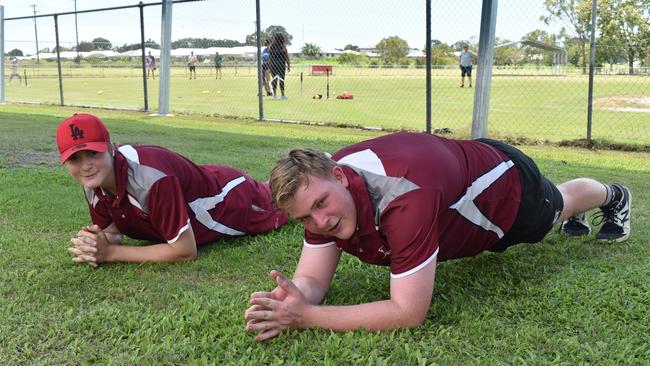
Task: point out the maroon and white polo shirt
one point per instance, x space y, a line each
161 193
420 196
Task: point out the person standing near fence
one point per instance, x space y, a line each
408 201
278 63
14 70
191 64
466 57
218 61
266 72
150 61
151 193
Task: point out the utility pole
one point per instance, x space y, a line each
36 34
76 31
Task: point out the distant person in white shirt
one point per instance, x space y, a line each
191 63
466 65
14 70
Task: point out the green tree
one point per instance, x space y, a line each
352 59
574 52
136 46
311 50
351 47
15 52
62 48
536 54
268 33
100 43
504 56
84 46
441 53
576 15
625 23
392 49
204 43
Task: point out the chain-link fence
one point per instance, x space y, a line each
349 63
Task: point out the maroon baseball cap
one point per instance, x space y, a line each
81 132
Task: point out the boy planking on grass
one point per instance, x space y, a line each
408 201
151 193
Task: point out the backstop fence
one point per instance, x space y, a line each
359 63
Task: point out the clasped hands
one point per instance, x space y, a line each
90 246
273 312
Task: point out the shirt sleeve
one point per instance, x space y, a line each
317 241
411 230
168 209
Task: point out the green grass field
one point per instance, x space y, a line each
535 107
563 301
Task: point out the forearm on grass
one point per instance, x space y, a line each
183 249
378 315
156 253
407 307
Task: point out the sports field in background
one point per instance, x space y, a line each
533 106
562 302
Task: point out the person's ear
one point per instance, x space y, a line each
340 176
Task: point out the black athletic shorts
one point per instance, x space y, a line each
466 70
192 68
541 201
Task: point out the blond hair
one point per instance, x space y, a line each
293 171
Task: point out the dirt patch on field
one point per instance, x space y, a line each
29 158
624 104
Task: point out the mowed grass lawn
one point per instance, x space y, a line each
536 107
563 301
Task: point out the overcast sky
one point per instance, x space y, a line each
329 24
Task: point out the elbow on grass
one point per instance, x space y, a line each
412 319
187 256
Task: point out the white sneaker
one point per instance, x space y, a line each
576 225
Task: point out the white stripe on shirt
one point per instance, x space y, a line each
201 206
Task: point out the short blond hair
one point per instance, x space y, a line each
293 171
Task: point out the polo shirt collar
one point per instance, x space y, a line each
121 171
361 198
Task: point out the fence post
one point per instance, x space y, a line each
2 54
58 56
484 69
165 58
144 67
260 76
428 66
592 60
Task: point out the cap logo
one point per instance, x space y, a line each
76 132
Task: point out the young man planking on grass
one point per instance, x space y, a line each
407 201
151 193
